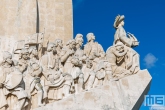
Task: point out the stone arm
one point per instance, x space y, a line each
44 65
76 62
37 72
64 56
123 37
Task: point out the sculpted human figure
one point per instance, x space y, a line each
32 79
79 51
12 83
58 46
52 71
103 71
72 64
130 41
89 74
23 60
116 56
120 34
92 49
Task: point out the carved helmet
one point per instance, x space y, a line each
118 20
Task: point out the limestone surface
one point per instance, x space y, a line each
125 94
21 18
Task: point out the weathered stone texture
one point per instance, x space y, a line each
18 18
124 94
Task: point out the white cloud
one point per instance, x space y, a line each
150 60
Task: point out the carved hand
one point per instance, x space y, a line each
71 52
51 79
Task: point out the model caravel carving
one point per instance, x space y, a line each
26 77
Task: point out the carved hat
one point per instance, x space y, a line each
118 20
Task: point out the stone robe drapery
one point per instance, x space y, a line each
120 35
3 101
48 65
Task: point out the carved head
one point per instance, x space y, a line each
79 39
90 37
33 50
58 42
51 47
71 43
24 54
89 63
119 21
7 58
119 46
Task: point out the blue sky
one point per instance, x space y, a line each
144 18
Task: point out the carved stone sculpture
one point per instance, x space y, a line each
78 49
130 41
92 49
58 45
89 74
31 77
72 64
54 78
116 57
57 71
11 83
120 34
103 71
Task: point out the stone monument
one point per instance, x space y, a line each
20 19
44 68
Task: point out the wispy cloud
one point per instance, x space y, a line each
150 60
77 3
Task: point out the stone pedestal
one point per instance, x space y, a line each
125 94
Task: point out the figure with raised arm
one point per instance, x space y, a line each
130 41
12 82
53 73
72 64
